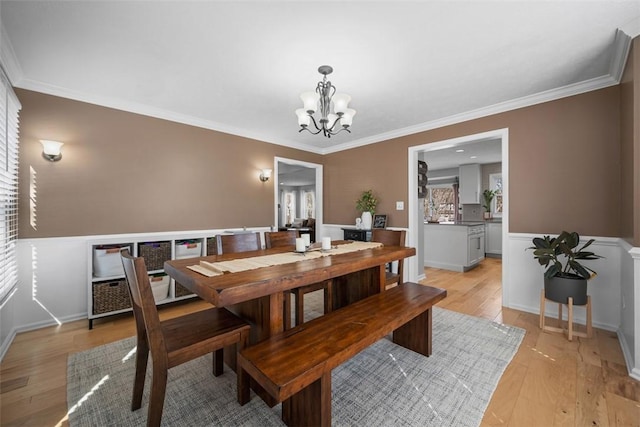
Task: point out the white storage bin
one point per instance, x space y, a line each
107 262
188 249
159 286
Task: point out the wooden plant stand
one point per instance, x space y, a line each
569 330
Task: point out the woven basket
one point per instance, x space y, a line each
110 296
181 291
155 254
211 246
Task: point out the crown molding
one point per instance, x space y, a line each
527 101
546 96
621 48
158 113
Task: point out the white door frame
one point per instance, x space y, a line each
319 192
415 221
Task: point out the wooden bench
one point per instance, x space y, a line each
295 366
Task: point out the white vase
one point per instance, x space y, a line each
366 220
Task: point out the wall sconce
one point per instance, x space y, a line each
265 175
51 150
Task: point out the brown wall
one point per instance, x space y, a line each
124 172
563 167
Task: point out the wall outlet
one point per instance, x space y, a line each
399 206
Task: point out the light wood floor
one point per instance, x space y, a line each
550 382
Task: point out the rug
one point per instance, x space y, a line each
383 385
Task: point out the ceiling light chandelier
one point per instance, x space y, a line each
329 123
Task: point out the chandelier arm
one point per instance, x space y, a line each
309 130
315 124
334 124
341 129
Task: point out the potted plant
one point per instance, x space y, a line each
487 196
562 281
367 205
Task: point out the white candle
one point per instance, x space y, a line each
326 243
307 239
300 245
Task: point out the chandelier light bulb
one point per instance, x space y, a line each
303 117
340 103
347 117
310 100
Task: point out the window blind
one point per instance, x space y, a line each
9 125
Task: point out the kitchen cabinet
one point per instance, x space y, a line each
456 247
493 233
475 247
469 178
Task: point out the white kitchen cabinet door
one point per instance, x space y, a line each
469 184
475 249
494 238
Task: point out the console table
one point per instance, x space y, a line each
357 234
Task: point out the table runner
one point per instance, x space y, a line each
211 269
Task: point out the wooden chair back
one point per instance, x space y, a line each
145 311
391 238
274 239
234 243
388 237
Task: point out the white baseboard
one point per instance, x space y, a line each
4 347
634 371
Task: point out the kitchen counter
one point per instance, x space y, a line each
458 223
454 246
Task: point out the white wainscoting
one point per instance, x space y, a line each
53 274
524 281
629 332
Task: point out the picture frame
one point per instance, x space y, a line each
379 221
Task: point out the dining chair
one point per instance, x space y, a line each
240 242
390 238
288 238
174 341
273 239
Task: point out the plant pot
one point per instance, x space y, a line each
487 215
366 220
560 288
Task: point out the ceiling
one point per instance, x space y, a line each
295 175
239 66
481 152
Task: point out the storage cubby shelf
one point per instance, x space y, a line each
108 293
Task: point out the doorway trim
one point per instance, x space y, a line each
415 221
318 188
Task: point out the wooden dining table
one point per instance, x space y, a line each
257 295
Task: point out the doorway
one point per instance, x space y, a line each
297 192
415 235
